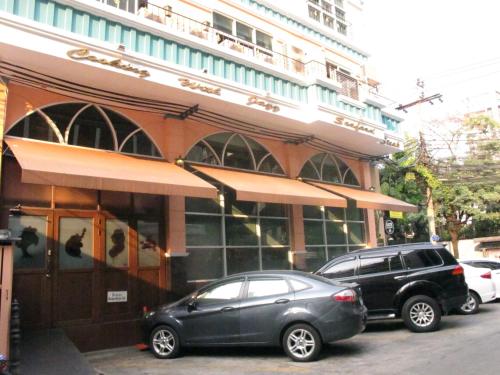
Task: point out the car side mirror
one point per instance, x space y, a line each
192 305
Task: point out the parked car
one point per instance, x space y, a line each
292 309
481 288
492 264
417 282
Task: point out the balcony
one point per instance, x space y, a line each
223 40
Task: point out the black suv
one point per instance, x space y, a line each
417 282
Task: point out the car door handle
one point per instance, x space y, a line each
282 300
227 309
400 277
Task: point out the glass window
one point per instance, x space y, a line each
270 165
263 40
354 213
222 292
274 232
422 258
244 32
258 151
204 205
272 209
116 243
275 258
204 264
342 269
242 260
91 130
61 114
223 23
395 263
356 233
297 285
218 141
148 233
237 154
29 251
335 234
330 171
123 127
350 179
203 230
264 288
312 212
373 265
308 171
201 153
328 21
314 257
140 144
314 13
34 126
334 213
241 231
313 232
234 207
76 243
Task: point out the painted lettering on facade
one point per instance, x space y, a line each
354 125
199 86
84 54
266 105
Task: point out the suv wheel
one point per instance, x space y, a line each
471 306
421 314
301 343
164 342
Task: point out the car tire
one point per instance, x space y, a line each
164 342
421 314
302 343
471 306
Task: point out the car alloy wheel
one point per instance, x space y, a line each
164 342
421 314
301 343
471 305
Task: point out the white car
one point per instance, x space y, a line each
481 288
492 264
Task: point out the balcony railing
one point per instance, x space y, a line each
205 31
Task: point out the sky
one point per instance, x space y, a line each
453 45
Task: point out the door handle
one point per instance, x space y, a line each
400 277
227 308
282 300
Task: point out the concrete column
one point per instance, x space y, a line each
176 226
371 230
297 237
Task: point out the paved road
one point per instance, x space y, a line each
464 345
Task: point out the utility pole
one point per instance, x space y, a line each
423 154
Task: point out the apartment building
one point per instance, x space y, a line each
149 147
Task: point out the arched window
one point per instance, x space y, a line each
235 151
86 125
227 236
331 231
327 167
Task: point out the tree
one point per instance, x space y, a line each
470 177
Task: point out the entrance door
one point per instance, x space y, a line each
74 268
33 256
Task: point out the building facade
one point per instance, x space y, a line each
149 147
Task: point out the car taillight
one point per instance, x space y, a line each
486 275
347 295
458 270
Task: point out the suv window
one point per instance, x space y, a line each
422 259
267 287
342 269
380 264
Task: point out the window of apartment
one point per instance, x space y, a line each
331 16
127 5
242 31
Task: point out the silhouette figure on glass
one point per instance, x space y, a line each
28 237
149 243
74 244
118 238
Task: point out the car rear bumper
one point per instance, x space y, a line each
348 323
453 303
487 297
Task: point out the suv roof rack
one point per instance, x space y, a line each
405 246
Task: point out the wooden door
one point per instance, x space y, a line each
75 266
33 256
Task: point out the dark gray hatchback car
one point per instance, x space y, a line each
292 309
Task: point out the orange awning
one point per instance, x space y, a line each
368 199
272 189
61 165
